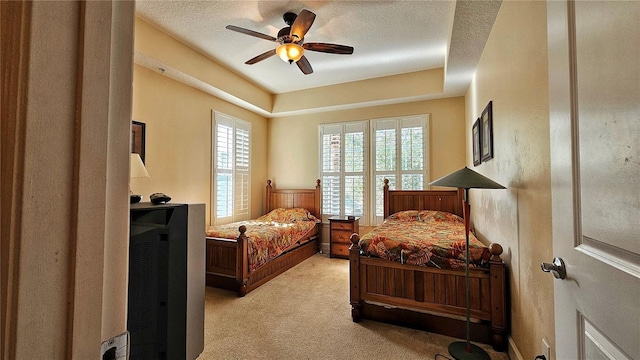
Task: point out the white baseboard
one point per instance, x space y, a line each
512 350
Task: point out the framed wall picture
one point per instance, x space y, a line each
138 138
477 159
486 133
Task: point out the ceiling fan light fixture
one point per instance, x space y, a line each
290 52
290 40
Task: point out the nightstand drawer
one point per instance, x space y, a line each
341 236
339 225
340 250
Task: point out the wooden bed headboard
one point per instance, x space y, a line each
309 199
441 200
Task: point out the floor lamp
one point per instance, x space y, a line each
467 179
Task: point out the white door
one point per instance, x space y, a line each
594 92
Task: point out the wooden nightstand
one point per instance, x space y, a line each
341 229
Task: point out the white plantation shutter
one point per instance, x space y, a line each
384 150
224 170
399 150
412 153
231 178
354 155
241 198
343 154
331 169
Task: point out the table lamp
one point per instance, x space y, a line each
137 171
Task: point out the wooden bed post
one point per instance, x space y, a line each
460 201
354 278
268 196
318 200
242 260
385 196
318 213
498 280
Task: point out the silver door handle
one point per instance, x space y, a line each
558 269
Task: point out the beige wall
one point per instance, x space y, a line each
289 135
178 140
513 74
409 85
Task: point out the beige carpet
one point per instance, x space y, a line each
305 314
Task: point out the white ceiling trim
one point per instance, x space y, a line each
175 74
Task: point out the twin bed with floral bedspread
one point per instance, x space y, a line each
411 270
270 235
244 255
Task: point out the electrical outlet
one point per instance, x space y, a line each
116 348
546 350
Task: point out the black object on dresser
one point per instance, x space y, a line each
165 316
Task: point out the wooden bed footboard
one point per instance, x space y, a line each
429 298
228 269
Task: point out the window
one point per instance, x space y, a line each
398 152
399 149
231 176
342 154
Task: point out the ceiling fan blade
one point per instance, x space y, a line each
328 48
304 65
264 55
301 24
251 32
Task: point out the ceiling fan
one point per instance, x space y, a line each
291 40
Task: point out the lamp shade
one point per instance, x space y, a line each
467 179
137 167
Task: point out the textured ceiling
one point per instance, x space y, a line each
389 37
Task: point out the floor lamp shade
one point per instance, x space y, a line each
466 179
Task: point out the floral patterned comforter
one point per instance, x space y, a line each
426 238
269 235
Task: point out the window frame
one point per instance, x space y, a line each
220 119
399 123
369 217
343 128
